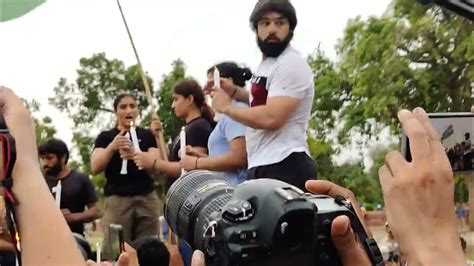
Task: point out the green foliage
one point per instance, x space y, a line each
89 101
413 56
44 127
171 124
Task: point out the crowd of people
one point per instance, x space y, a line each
244 136
460 155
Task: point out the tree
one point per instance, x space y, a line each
171 124
44 128
89 101
413 56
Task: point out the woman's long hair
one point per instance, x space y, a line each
190 87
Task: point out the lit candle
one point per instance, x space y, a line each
58 194
182 141
123 171
98 252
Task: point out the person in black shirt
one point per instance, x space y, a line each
77 191
130 199
189 105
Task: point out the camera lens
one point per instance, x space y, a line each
190 202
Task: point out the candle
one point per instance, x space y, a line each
123 171
182 151
58 194
134 136
98 252
217 78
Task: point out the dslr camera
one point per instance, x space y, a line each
259 222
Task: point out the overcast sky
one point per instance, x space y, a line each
46 44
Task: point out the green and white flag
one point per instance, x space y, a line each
12 9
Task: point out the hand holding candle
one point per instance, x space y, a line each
58 194
123 171
217 78
133 134
182 150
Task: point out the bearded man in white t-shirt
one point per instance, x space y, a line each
281 97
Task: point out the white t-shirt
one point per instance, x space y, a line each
286 75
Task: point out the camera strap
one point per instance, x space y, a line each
9 157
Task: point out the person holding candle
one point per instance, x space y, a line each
189 105
226 144
281 97
130 199
74 192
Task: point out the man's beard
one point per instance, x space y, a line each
274 49
53 171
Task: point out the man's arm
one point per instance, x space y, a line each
90 214
271 116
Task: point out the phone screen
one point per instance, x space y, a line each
456 131
116 240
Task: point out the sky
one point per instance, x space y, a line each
47 43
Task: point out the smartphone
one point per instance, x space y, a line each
456 131
117 245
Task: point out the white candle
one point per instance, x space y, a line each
217 78
58 194
133 133
98 252
123 171
182 142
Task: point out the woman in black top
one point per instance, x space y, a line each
130 199
189 105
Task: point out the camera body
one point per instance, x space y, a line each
260 222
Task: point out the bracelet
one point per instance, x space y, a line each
235 91
196 164
154 163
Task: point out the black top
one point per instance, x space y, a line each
197 135
135 182
77 192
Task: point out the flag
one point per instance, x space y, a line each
448 132
12 9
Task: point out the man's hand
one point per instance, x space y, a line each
227 85
349 249
220 100
419 197
69 216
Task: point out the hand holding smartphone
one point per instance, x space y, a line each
456 131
